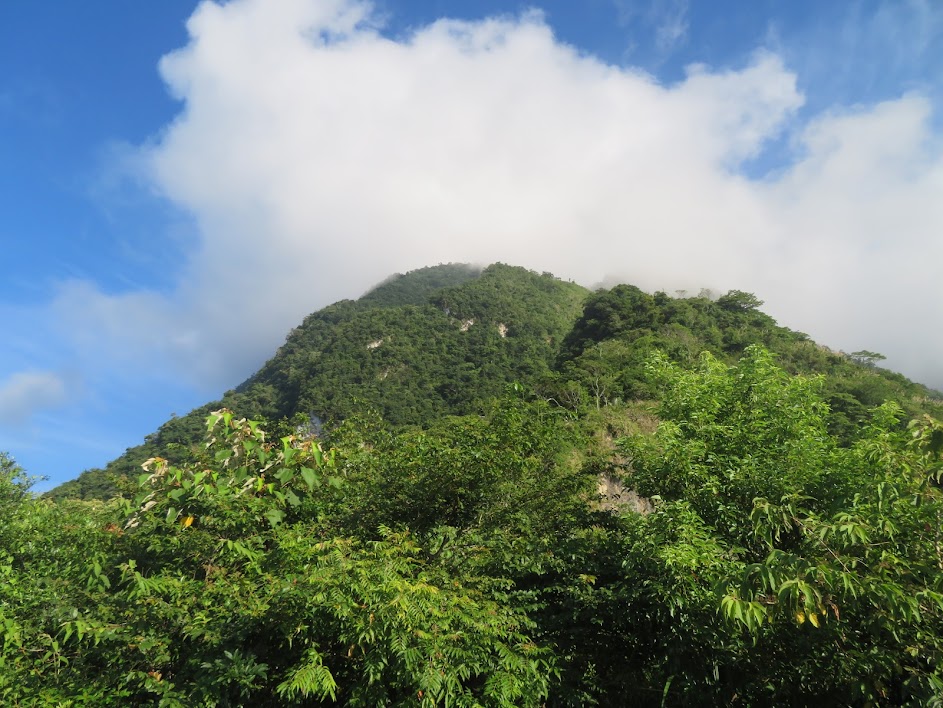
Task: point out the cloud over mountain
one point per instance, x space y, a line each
317 155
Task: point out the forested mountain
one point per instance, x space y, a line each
494 488
437 341
445 339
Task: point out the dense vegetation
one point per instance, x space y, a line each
438 341
514 492
445 340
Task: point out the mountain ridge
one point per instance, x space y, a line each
443 340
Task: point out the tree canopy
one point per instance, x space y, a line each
444 340
471 562
499 489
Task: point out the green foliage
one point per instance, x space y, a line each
682 328
417 286
609 313
468 563
438 341
445 340
866 357
737 300
91 484
14 484
826 557
412 516
473 472
53 573
224 585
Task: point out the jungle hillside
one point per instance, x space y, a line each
492 487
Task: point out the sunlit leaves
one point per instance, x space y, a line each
223 585
811 536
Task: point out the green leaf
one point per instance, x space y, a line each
285 475
309 476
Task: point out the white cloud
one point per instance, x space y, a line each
860 221
25 393
318 156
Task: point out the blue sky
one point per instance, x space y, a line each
175 197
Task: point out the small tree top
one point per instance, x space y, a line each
867 358
739 300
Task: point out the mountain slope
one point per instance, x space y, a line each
732 539
622 327
433 342
445 339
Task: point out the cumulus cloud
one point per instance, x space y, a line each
316 156
25 393
859 226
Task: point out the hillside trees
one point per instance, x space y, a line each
437 341
824 560
445 340
228 583
468 561
683 327
54 565
450 545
